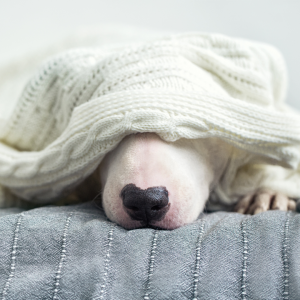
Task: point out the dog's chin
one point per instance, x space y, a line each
174 218
161 225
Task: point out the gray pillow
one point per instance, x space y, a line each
74 252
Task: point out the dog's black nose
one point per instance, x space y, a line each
147 205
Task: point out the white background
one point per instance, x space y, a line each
27 25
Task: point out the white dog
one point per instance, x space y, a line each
149 182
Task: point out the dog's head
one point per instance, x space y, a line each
149 182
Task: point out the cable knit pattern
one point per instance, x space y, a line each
81 103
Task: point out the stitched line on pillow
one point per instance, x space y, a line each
62 257
245 259
151 264
106 261
285 258
13 257
197 265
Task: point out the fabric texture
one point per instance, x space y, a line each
73 252
81 103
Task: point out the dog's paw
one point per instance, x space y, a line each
264 200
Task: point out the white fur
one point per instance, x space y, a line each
189 169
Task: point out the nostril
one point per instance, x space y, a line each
158 207
134 208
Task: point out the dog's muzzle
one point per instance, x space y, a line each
148 206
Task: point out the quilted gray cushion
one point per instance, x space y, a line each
74 252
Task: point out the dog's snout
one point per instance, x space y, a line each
147 205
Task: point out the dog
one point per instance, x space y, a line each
148 182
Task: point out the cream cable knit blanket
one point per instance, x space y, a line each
82 102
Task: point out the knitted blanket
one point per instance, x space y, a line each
73 252
82 102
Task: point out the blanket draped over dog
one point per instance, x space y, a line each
73 252
82 102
